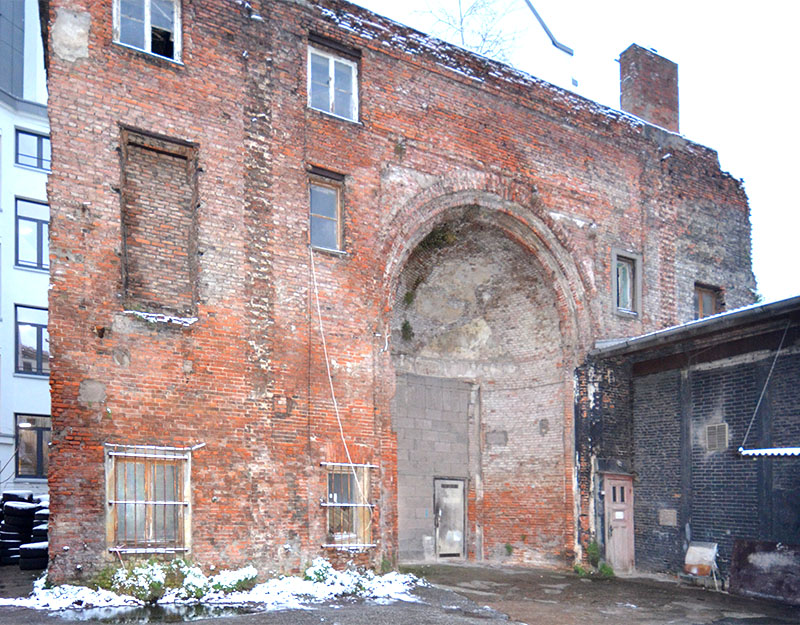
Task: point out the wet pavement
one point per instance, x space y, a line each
472 595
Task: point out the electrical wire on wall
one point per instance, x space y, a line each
330 379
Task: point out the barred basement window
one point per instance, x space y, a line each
148 494
349 510
717 437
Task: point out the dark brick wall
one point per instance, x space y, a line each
683 490
573 181
659 469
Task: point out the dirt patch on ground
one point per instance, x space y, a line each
541 597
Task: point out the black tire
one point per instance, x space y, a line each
17 495
33 550
10 544
32 564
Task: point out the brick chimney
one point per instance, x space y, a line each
649 87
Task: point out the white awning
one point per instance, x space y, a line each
771 451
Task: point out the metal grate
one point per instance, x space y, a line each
717 437
349 510
148 498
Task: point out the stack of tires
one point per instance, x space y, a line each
24 520
17 524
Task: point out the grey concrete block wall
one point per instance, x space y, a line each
431 418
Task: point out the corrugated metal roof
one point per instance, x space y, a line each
771 451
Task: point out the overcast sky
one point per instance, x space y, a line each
738 69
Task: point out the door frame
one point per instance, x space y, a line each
607 520
463 553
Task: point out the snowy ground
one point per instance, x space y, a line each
320 583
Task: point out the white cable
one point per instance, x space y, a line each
330 378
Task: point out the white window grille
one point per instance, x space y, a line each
348 506
332 84
148 490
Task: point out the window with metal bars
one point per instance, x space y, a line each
348 507
148 493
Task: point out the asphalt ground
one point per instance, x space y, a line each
476 595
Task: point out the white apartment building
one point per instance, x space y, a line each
24 255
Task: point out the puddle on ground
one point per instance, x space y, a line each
175 613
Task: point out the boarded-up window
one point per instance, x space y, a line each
158 224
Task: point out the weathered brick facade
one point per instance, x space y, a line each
656 402
480 209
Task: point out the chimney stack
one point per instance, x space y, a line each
649 87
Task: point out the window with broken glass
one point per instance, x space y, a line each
149 25
348 507
147 489
332 84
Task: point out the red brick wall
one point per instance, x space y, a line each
649 87
439 130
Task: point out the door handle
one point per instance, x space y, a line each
437 515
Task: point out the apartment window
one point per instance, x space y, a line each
147 490
32 341
332 84
32 233
33 150
706 301
149 25
626 278
33 445
717 437
325 196
348 507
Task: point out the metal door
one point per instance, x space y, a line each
619 522
448 519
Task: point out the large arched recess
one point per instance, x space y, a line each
486 306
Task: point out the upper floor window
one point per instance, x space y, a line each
706 301
325 209
33 445
33 341
33 150
332 84
149 25
32 228
626 286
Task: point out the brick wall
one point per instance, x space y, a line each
443 137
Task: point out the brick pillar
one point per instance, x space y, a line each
649 87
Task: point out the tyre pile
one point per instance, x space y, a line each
23 529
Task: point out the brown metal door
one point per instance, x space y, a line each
619 522
448 507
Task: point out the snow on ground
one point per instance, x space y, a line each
321 583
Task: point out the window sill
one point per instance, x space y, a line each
39 170
32 376
626 314
150 55
328 250
44 271
349 547
357 122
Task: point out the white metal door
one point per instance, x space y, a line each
448 506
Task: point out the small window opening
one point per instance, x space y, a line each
349 511
717 437
707 301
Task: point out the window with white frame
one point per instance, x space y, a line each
32 150
332 84
33 220
325 209
32 341
626 282
348 508
149 25
148 497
